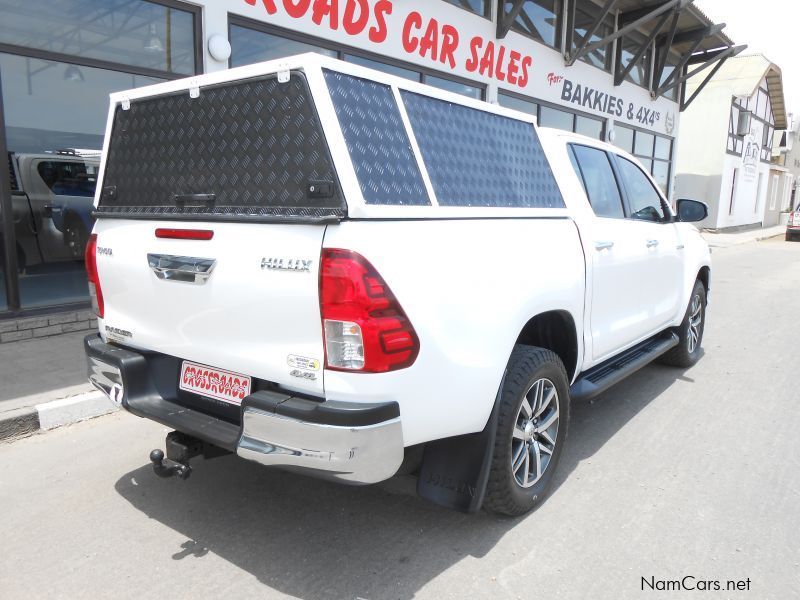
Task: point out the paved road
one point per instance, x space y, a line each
670 474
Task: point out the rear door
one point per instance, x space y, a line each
661 278
617 318
244 172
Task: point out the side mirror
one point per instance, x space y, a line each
691 211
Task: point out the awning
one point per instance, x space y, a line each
676 28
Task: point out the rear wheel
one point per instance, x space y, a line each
690 331
533 418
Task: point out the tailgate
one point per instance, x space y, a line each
247 160
246 300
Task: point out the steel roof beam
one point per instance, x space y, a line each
620 74
662 49
506 19
582 48
716 56
651 14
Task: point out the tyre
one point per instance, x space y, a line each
690 331
532 424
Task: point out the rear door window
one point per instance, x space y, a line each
477 158
594 170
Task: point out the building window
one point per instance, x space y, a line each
773 197
59 62
249 46
640 73
253 42
669 67
734 183
554 117
550 116
141 34
653 151
479 7
585 16
517 103
451 85
761 116
541 20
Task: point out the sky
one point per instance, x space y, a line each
768 27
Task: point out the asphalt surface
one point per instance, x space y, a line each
670 474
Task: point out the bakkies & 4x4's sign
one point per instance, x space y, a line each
443 37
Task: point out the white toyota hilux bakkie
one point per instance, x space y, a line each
328 269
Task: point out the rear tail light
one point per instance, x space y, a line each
95 292
365 327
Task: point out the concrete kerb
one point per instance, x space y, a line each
27 420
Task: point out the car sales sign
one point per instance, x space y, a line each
443 37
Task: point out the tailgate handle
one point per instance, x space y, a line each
188 269
194 200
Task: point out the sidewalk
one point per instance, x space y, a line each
723 240
44 385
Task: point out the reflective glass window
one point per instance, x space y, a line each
623 138
598 180
129 32
540 20
455 86
55 119
645 201
519 104
585 17
383 67
589 127
249 46
552 117
479 7
644 144
640 73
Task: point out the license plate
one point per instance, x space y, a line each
214 383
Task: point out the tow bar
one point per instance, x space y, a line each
181 448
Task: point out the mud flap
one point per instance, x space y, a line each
455 470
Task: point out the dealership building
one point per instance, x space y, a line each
609 69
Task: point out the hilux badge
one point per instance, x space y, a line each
286 264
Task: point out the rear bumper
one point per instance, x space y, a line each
352 442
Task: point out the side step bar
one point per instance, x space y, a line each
601 377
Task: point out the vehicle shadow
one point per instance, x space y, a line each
314 539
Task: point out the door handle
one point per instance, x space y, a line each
188 269
652 243
603 245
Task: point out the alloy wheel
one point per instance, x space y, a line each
535 433
695 321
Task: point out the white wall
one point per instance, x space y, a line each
748 200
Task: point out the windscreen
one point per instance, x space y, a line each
246 150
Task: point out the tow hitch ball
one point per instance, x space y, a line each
180 449
166 467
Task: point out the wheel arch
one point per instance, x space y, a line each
554 330
704 275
